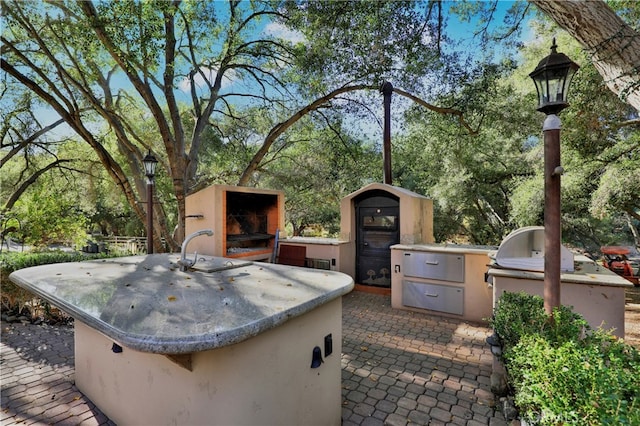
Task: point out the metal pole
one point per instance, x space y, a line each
387 90
149 216
552 225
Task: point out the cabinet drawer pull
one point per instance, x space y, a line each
432 262
431 295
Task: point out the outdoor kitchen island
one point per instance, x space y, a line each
227 342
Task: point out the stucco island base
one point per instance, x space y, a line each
225 343
265 380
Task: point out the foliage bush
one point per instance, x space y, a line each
563 372
520 314
20 301
49 217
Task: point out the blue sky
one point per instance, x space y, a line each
463 31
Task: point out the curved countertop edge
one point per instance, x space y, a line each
191 343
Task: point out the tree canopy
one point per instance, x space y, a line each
285 94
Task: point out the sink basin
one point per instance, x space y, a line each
218 264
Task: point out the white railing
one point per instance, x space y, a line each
133 245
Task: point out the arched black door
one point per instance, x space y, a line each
378 218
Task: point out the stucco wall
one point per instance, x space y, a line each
264 380
600 305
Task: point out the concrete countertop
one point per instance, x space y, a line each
313 240
586 272
446 248
146 303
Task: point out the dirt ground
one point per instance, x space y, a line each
632 317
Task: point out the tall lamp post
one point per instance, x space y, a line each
150 164
552 78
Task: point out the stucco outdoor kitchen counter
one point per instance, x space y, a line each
146 303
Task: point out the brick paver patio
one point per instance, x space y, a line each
398 368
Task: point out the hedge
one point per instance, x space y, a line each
561 371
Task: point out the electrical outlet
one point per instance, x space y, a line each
328 345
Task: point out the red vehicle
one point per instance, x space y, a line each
624 261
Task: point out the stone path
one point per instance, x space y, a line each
401 367
37 368
398 368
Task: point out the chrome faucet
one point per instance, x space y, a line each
185 263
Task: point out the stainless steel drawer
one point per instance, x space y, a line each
442 298
436 266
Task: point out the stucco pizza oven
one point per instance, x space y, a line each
376 217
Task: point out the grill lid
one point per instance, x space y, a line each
524 249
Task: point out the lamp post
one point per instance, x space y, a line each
150 163
552 78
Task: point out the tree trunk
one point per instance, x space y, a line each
613 45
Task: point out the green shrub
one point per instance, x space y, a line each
21 301
520 314
561 371
590 382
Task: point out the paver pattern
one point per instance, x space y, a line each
398 368
37 378
401 367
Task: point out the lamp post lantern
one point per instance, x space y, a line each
552 78
150 163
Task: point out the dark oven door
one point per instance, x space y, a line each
378 230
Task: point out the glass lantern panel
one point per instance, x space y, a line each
556 84
543 90
567 81
149 168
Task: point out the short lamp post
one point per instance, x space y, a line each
150 164
552 78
